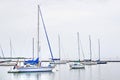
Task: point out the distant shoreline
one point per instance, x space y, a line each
21 59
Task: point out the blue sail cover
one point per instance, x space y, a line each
56 59
32 62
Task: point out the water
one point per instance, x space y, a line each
108 71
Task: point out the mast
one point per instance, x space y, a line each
78 45
33 47
38 35
46 33
90 48
99 48
59 46
10 48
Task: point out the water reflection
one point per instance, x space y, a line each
108 71
99 72
33 76
94 72
77 74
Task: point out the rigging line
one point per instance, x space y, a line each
2 51
45 32
82 49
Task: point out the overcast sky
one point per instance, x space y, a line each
98 18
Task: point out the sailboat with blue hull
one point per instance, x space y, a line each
35 65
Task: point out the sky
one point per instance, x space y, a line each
98 18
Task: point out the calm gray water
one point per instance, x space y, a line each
108 71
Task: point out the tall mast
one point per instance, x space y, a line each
78 45
59 46
38 34
90 48
99 48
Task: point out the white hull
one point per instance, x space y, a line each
89 63
2 61
77 66
7 64
31 69
58 62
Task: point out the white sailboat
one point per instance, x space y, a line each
7 62
77 65
58 60
36 67
89 61
99 60
31 68
2 59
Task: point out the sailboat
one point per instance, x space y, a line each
58 60
7 62
89 61
34 65
99 61
2 59
77 65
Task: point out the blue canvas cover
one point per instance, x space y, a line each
56 59
32 62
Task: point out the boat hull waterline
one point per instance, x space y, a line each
77 66
25 70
